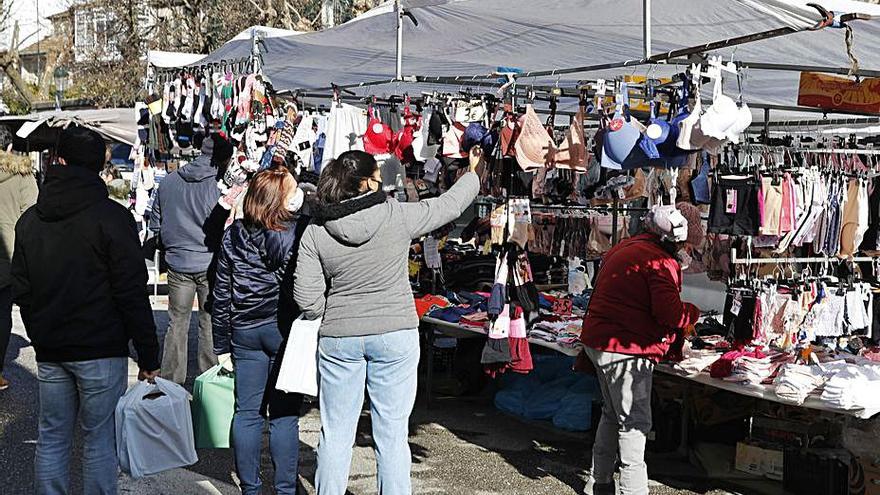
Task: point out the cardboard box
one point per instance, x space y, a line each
748 458
760 460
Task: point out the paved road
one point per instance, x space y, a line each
459 446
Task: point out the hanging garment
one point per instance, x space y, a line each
871 241
855 218
305 136
534 147
346 126
572 153
422 150
786 213
770 206
734 209
378 138
452 141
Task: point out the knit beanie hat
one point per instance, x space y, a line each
82 147
696 234
667 222
218 148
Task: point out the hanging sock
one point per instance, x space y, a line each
245 97
199 117
216 96
178 98
166 102
186 110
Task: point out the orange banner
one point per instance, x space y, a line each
839 93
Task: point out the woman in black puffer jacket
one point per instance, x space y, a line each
251 317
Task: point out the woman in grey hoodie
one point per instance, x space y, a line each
352 272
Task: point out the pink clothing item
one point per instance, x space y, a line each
786 216
761 204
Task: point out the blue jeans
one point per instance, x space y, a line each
253 353
388 365
90 390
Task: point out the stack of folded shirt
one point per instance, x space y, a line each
696 360
750 369
854 387
796 381
565 332
477 321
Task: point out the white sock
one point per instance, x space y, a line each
199 117
217 91
187 111
166 100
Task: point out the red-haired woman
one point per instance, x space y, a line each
250 320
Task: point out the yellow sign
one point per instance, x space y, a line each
642 105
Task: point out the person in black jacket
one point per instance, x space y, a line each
80 281
252 313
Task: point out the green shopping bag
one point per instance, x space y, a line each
212 408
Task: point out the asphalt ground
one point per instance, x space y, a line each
459 446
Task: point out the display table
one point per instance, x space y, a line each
457 331
434 326
765 392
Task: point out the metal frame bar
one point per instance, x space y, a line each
794 68
815 259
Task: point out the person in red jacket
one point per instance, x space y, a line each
635 315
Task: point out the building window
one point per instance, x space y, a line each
93 36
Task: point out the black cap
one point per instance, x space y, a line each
82 147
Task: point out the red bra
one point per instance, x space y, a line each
379 139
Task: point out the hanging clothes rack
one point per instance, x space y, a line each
814 259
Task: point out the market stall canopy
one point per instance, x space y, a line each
457 37
162 60
40 130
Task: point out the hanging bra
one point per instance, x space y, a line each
534 145
572 153
378 138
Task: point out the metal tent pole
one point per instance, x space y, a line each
398 10
646 27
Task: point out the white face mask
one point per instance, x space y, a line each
296 201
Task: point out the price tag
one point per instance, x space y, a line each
432 252
562 307
736 306
730 201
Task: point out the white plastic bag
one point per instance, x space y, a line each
154 431
299 366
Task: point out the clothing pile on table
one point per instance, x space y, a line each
563 331
840 384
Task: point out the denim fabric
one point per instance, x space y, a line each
700 192
182 289
89 390
387 363
253 354
5 321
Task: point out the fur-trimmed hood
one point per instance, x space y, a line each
12 164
